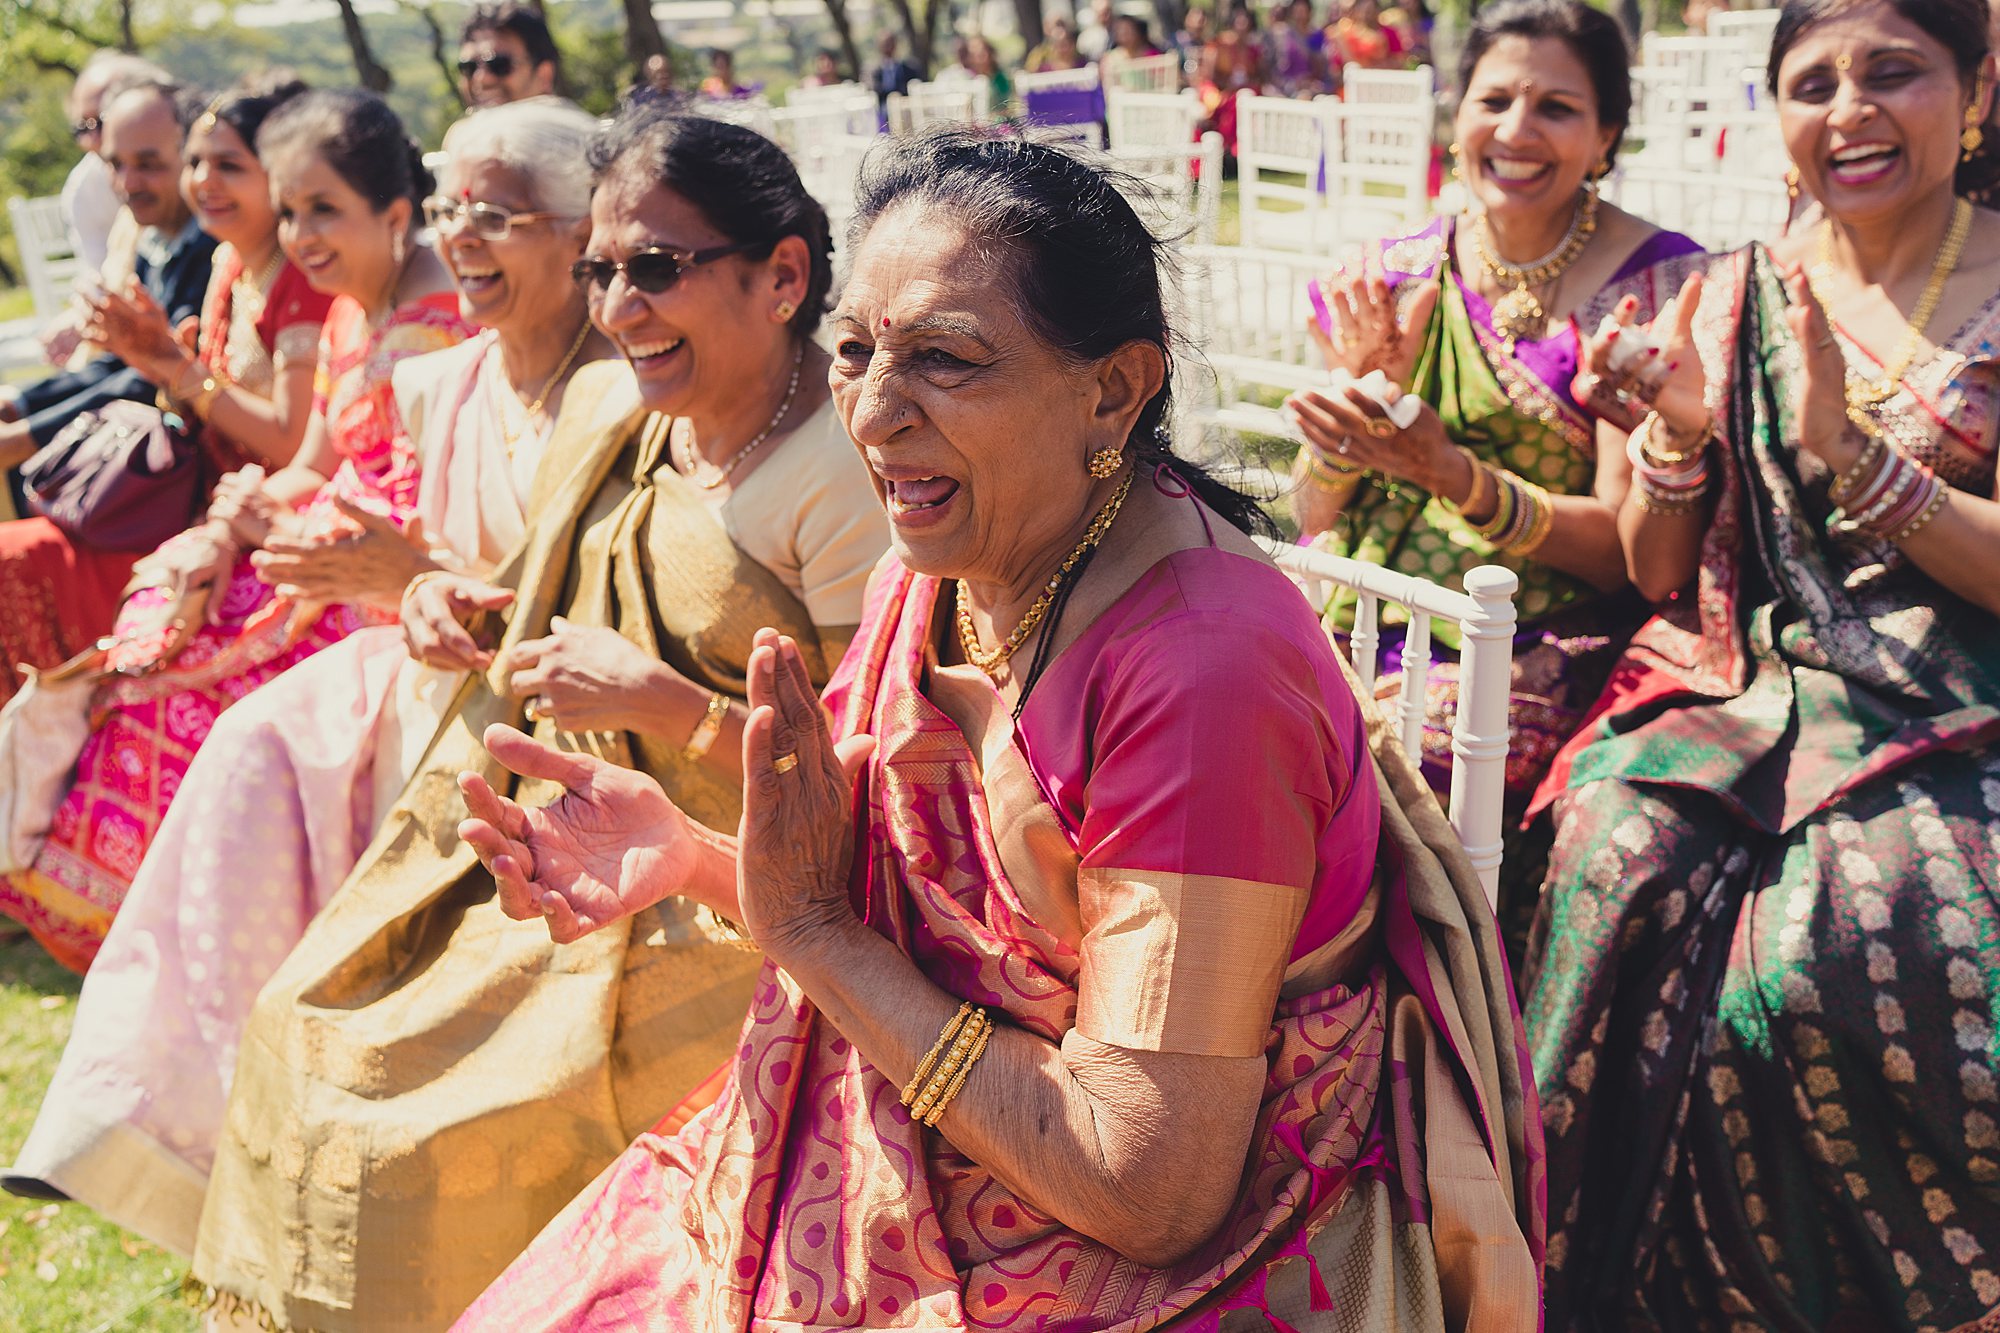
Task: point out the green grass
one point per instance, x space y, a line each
64 1269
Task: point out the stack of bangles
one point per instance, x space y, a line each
943 1072
1668 483
1326 473
1886 493
1523 514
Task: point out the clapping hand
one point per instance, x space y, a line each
437 615
371 562
612 844
585 677
1664 374
1367 333
1823 422
133 327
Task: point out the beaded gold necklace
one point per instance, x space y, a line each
1519 314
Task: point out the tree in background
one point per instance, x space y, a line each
373 75
843 34
642 35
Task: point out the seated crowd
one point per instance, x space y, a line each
562 833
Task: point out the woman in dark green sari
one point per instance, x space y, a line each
1500 465
1763 982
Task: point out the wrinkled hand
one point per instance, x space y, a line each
240 502
588 677
437 615
371 563
133 327
1823 424
190 570
612 844
797 831
1366 333
1667 378
1350 428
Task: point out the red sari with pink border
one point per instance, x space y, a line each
1188 788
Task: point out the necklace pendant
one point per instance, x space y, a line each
1518 315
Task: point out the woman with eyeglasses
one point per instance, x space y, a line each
421 1085
130 1122
286 562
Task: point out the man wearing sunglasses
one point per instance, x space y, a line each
505 54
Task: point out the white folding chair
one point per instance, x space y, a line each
1150 120
852 104
750 112
947 87
926 104
1063 100
1280 152
1185 180
1479 731
1244 345
1146 74
1720 210
1378 164
48 256
1391 87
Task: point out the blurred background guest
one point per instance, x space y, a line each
505 54
1058 48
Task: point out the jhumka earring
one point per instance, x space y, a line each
1105 462
1973 137
1453 153
1791 183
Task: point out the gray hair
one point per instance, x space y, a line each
545 140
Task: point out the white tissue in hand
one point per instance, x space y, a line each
1403 412
1633 343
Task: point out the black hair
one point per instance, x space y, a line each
1592 35
1086 273
245 109
357 135
521 20
1960 26
741 182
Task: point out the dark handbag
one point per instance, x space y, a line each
118 479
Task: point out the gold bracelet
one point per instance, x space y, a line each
419 582
1484 486
1682 458
706 730
952 1089
950 1066
1541 519
929 1062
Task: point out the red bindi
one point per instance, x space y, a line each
885 321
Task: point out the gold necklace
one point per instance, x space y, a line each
513 437
968 637
1519 314
555 378
1862 391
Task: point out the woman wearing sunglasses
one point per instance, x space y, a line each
130 1122
438 1082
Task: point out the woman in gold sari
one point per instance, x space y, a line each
421 1085
1187 1017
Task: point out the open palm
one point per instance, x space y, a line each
610 845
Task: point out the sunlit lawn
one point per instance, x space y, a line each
63 1269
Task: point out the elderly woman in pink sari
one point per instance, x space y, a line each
285 565
275 810
1125 990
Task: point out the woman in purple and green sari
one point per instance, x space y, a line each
1477 317
1763 983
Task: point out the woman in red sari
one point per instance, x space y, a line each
258 340
1196 1000
286 563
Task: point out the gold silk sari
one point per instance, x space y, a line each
424 1082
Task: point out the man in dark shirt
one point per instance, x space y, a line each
143 129
893 75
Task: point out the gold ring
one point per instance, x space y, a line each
537 708
1380 428
784 763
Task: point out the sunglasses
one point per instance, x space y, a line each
88 125
651 271
490 221
499 66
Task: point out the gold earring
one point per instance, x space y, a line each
785 311
1105 462
1453 152
1973 137
396 249
1791 182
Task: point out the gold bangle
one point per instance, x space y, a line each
419 581
1484 484
929 1062
1671 460
953 1061
1541 519
957 1083
706 730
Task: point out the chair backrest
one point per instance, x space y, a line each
953 100
1720 210
1479 732
48 256
840 108
1186 181
1146 74
1280 158
804 95
1395 87
1244 345
750 112
1378 166
1715 67
1750 27
1061 96
1151 120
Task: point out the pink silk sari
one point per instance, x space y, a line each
149 727
805 1198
